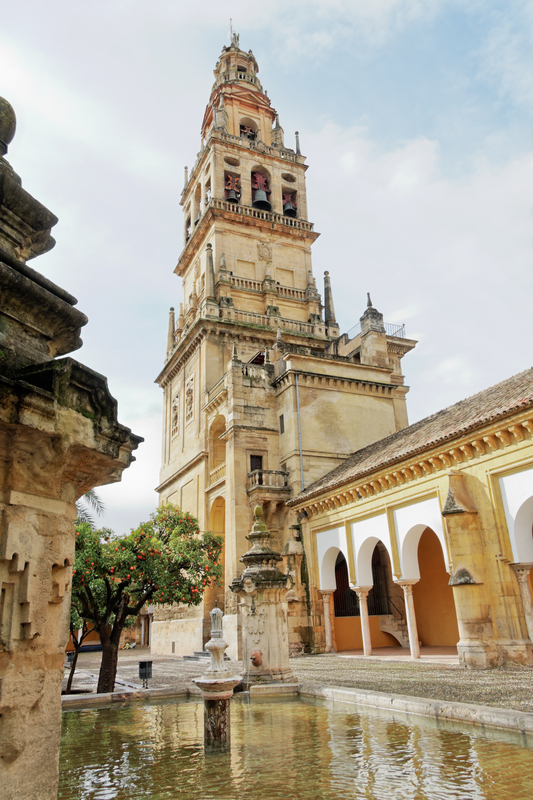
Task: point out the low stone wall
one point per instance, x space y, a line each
177 636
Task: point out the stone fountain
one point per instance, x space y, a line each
264 591
217 685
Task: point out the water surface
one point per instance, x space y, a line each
286 749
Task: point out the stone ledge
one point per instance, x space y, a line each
261 690
69 701
439 709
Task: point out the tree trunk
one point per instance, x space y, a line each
108 667
73 668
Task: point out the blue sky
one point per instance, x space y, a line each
414 115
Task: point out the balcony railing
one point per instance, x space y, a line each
268 479
257 213
217 474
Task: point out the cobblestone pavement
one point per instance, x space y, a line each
509 687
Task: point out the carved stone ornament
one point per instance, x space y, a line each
264 251
189 399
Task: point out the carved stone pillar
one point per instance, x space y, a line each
327 620
522 574
362 593
412 629
59 437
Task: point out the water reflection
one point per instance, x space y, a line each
285 749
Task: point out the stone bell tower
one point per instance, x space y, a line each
262 395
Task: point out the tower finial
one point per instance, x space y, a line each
329 309
298 152
368 300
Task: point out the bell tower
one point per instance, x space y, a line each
246 198
262 395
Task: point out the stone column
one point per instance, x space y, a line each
522 574
362 593
412 629
327 620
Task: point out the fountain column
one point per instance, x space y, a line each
362 593
522 574
217 685
412 629
262 589
326 593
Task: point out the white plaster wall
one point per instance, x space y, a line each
365 535
231 635
410 522
325 540
186 634
517 496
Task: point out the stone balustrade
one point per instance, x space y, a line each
268 479
217 474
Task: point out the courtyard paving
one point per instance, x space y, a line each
437 676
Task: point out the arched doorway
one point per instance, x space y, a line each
347 622
436 617
217 525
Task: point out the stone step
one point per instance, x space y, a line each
202 655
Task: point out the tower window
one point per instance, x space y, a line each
281 423
256 463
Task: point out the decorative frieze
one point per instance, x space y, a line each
446 459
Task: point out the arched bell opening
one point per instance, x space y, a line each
197 204
217 525
232 187
261 191
248 129
289 202
436 617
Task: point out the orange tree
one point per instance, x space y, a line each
166 560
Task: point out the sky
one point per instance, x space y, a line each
414 116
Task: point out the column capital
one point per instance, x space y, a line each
360 590
326 592
407 586
521 570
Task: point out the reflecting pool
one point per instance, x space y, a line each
286 749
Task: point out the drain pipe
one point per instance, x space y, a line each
300 433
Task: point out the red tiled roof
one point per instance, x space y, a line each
501 400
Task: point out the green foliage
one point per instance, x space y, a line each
165 560
89 501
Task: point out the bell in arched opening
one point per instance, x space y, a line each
289 206
232 190
260 192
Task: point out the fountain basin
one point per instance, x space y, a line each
217 688
287 747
